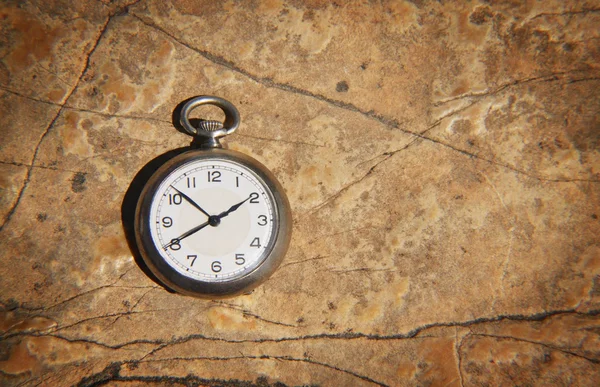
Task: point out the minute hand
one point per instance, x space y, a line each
193 203
186 234
232 208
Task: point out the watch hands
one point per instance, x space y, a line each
193 203
213 220
233 208
186 234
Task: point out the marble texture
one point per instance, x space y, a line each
442 160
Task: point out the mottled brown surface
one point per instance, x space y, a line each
442 160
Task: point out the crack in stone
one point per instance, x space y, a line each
82 110
318 257
109 315
342 190
267 357
507 166
113 115
412 334
266 81
53 73
584 80
362 269
112 374
566 13
28 174
94 342
9 90
52 330
143 296
387 155
482 94
458 346
510 232
546 345
332 198
17 164
112 285
132 308
389 122
50 125
247 313
348 335
282 140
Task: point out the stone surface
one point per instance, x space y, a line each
442 161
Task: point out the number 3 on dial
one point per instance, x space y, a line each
216 220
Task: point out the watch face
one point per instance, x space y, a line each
213 220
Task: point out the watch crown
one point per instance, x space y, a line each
210 126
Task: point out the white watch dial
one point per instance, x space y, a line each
213 220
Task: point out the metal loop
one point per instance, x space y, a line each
231 123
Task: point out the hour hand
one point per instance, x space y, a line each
189 200
233 208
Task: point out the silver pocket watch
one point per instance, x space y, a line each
212 222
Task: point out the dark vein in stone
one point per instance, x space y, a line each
161 344
584 80
109 315
112 285
52 330
281 140
83 110
355 335
267 357
459 358
247 313
81 340
16 93
567 13
390 122
497 90
28 174
411 334
546 345
266 81
50 125
338 193
112 373
17 164
361 269
269 82
143 296
53 73
318 257
113 115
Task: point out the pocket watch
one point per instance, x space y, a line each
212 222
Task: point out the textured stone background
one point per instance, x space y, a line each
442 160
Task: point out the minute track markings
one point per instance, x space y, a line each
266 235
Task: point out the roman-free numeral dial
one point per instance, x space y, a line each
213 220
